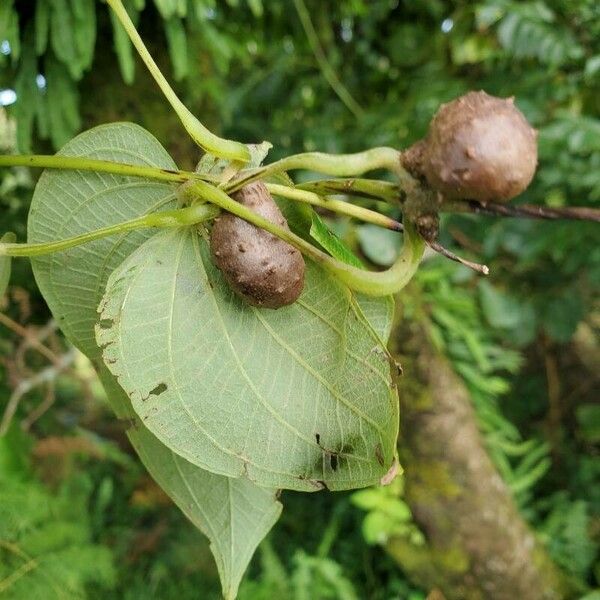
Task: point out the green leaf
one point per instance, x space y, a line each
62 102
234 514
331 242
48 548
588 418
380 246
123 46
166 8
219 381
5 263
256 6
211 165
42 26
178 51
506 311
84 15
9 29
26 90
66 203
562 313
62 37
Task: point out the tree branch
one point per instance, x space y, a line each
527 211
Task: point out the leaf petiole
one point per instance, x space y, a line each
168 218
338 206
368 188
80 163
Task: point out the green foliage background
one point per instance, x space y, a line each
247 68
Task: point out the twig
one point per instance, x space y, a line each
483 269
35 340
41 409
32 341
43 376
20 572
528 211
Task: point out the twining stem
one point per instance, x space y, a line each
168 218
220 147
345 208
338 165
330 75
368 188
81 163
370 283
176 176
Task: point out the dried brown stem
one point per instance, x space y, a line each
527 211
44 376
32 341
483 269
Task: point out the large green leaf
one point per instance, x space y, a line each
68 203
300 397
234 514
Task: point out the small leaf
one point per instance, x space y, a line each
26 90
562 313
167 8
84 15
5 262
588 417
209 164
380 246
505 311
62 37
9 29
331 242
42 26
62 102
177 44
310 381
256 6
123 46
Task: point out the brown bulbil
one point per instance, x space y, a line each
479 147
261 268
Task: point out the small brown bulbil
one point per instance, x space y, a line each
261 268
479 147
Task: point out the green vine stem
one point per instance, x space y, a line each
368 188
80 163
168 218
220 147
88 164
337 165
371 283
345 208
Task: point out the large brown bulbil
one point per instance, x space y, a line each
263 269
479 147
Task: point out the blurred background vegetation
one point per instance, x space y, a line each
78 515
